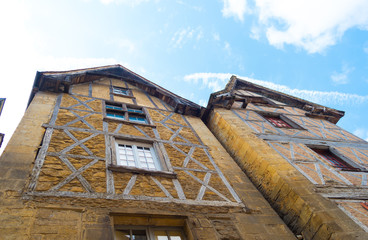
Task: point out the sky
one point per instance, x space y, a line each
312 49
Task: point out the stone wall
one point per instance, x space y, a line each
291 194
57 182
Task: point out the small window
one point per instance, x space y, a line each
138 155
148 233
334 160
120 91
121 111
279 120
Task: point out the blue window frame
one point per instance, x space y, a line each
122 111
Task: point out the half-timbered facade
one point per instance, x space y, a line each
313 172
103 153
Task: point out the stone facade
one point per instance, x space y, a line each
61 177
245 167
314 197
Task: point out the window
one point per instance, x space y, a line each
138 155
120 91
279 120
148 233
141 156
334 160
121 111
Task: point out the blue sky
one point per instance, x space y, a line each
317 50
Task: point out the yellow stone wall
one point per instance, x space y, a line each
290 193
62 188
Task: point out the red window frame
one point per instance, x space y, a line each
364 205
277 122
334 160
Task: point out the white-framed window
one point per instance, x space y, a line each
121 91
137 155
148 233
126 112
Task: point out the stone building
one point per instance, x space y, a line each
103 153
312 172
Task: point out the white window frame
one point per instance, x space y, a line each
117 91
150 230
135 145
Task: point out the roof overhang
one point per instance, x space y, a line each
226 97
61 81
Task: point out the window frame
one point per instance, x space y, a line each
351 166
160 158
282 117
149 230
135 145
128 91
124 111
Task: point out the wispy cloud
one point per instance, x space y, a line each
235 8
362 133
213 81
217 81
342 77
183 36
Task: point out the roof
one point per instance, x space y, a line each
60 81
226 97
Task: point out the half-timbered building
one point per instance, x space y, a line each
104 153
312 172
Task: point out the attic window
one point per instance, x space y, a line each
334 160
279 120
258 101
121 91
126 112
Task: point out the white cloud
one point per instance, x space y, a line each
183 36
227 48
216 37
342 77
235 8
202 102
213 81
255 32
362 133
310 24
217 81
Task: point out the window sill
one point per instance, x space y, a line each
128 122
124 169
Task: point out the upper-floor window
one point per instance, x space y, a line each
279 120
138 155
335 160
121 91
122 111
